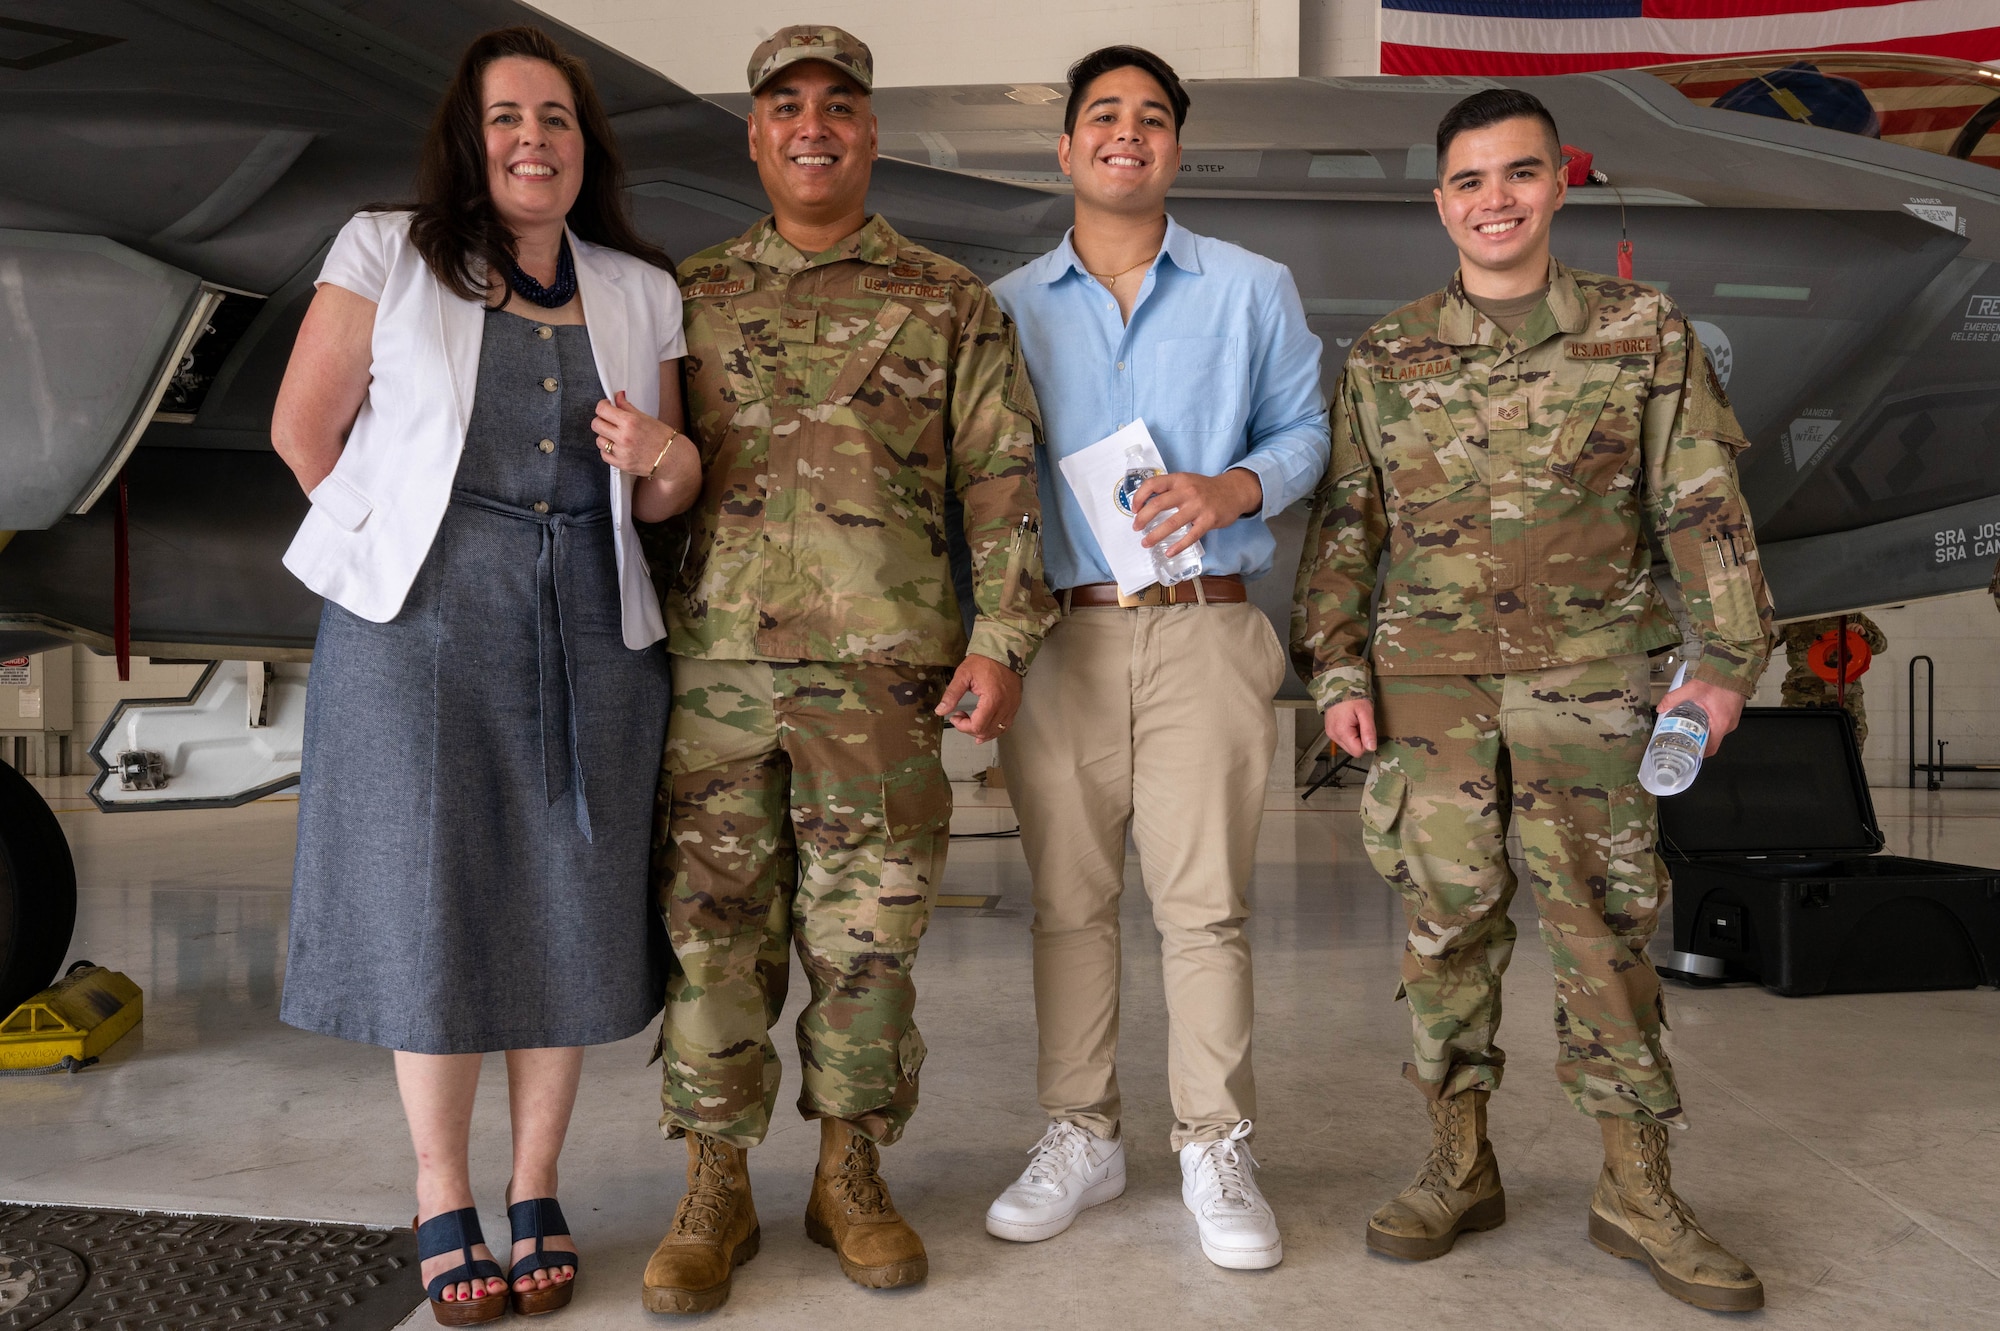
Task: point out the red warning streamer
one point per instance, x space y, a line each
121 585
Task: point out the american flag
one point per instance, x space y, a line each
1529 37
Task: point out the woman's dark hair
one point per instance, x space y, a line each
454 224
1490 106
1101 62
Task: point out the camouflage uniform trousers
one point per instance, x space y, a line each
1554 755
799 804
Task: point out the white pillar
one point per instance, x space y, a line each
1274 42
1340 38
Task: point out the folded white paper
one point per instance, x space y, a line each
1098 477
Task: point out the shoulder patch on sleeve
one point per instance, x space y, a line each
1715 381
1018 393
1346 456
1705 409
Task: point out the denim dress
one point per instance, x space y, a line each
475 806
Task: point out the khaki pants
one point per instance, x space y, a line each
1158 719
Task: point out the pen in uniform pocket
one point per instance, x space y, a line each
1017 559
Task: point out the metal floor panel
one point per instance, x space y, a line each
69 1269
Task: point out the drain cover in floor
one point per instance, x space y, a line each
67 1269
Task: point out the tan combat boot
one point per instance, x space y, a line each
1634 1213
714 1232
1458 1190
850 1212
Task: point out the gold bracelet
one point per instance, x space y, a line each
663 456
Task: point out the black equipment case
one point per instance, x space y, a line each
1776 876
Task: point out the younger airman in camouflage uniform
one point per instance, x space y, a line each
837 396
1513 455
1804 688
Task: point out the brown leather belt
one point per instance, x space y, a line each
1226 590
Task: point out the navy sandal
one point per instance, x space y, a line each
459 1230
538 1218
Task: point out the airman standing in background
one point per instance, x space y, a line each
1805 687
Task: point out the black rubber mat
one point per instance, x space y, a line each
68 1269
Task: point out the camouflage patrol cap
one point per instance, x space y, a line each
807 41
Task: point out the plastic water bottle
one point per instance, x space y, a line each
1166 571
1673 755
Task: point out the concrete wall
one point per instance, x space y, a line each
95 690
1962 635
706 47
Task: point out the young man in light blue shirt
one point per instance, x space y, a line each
1153 712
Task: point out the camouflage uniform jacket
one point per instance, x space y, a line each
1516 481
834 398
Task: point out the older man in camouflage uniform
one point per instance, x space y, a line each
1513 441
842 382
1803 686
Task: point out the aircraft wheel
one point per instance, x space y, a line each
37 891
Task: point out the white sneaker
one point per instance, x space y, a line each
1068 1170
1235 1222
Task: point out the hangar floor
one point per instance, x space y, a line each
1845 1145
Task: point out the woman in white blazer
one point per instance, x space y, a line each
483 400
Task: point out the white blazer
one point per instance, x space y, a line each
374 517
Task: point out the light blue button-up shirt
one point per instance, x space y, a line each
1217 361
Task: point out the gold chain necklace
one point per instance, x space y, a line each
1113 277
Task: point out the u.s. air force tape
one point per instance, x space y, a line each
1611 347
906 288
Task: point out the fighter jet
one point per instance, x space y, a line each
179 171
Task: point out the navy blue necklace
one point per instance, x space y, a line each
551 297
